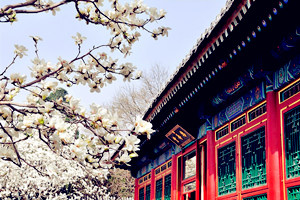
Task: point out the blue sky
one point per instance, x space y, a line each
187 18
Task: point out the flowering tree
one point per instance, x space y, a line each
48 175
26 125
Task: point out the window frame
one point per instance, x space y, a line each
162 175
183 182
284 107
236 135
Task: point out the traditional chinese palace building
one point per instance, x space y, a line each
228 122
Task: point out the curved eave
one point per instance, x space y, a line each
210 40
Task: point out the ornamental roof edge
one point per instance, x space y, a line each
199 41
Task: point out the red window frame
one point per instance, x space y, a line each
235 136
284 107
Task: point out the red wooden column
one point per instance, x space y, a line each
174 178
273 144
136 189
152 194
211 166
198 169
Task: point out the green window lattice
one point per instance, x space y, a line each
292 142
141 194
294 193
148 192
254 159
258 197
167 192
158 190
226 169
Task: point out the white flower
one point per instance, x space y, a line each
66 136
125 158
164 31
12 93
131 142
99 3
20 50
5 112
28 121
138 74
143 127
78 39
36 38
153 13
17 78
109 137
78 151
134 154
50 85
61 126
105 163
118 139
162 13
44 94
51 3
74 103
53 120
81 111
103 56
48 106
94 87
110 78
80 143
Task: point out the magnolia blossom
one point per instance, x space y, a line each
131 143
49 85
36 38
20 50
138 74
48 106
78 38
28 121
125 158
143 127
17 78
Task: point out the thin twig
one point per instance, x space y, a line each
13 61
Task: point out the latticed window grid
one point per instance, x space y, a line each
141 180
164 167
148 192
258 197
221 133
293 193
158 189
141 194
167 193
238 123
257 112
289 92
292 142
145 178
169 164
226 169
157 171
254 159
